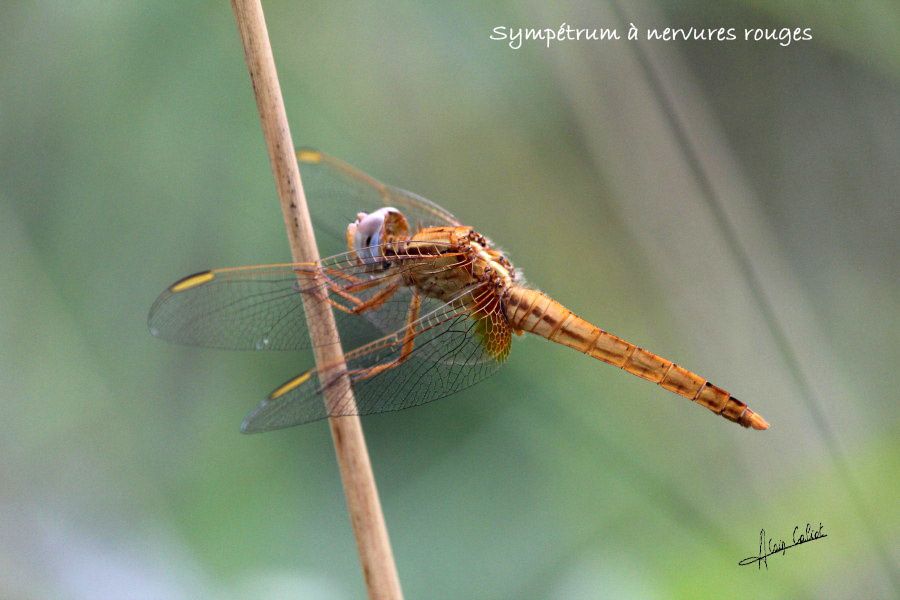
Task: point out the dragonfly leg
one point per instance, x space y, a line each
338 274
378 299
329 277
363 305
409 343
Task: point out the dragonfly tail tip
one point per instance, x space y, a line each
756 421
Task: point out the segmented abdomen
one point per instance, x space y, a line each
535 312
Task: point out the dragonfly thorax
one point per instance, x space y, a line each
495 267
453 257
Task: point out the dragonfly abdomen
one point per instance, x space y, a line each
535 312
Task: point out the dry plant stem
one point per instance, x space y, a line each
377 559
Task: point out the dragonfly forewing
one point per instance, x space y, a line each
261 307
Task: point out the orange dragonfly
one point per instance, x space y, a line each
428 305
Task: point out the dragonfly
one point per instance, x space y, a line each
427 305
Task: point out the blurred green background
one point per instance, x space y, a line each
132 155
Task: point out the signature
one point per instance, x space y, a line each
770 546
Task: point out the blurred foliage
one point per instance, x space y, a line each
132 155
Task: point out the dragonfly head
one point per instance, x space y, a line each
371 230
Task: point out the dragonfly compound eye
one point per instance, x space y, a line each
368 233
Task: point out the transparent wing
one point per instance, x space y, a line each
261 307
433 356
338 191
